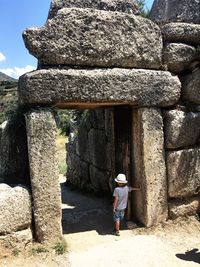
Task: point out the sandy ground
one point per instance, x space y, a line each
87 226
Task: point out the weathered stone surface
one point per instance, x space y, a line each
98 149
41 134
82 147
77 170
164 11
185 207
14 166
88 37
18 240
15 209
183 169
73 166
150 204
181 128
191 87
89 153
178 56
99 180
126 6
182 32
117 86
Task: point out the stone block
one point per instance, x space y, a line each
183 170
88 37
77 171
190 87
75 87
126 6
97 118
15 209
164 11
82 146
149 204
178 56
41 135
182 129
185 207
14 165
182 33
17 240
99 179
98 149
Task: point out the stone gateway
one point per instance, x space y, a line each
146 72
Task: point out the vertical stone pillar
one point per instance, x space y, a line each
41 135
150 204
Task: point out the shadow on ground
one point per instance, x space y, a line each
83 212
192 255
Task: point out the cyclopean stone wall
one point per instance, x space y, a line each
89 152
181 122
103 54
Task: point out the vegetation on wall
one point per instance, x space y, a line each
8 98
142 7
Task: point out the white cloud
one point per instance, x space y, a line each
16 72
2 57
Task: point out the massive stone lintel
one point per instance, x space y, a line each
150 204
182 32
126 6
182 129
183 169
80 87
164 11
41 133
88 37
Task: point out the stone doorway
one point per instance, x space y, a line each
145 160
74 212
82 209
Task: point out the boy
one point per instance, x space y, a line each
120 195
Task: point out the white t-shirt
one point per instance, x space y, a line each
121 192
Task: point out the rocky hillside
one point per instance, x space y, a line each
4 77
8 96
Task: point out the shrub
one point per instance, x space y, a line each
60 247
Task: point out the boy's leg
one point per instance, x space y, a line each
117 225
116 217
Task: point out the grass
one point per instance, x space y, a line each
61 151
62 167
38 250
60 247
16 252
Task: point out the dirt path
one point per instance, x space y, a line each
87 225
90 242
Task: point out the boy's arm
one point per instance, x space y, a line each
134 188
115 203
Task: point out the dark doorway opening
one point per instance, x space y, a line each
123 149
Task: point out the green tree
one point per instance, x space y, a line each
141 6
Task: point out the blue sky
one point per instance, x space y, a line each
15 17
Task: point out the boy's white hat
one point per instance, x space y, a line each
121 178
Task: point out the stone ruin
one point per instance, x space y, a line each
144 75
